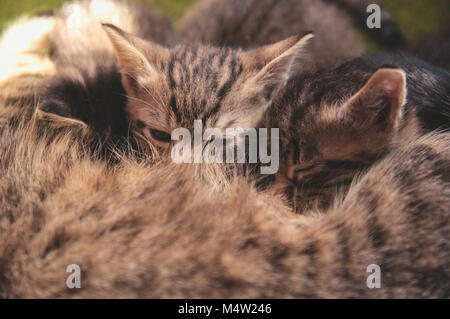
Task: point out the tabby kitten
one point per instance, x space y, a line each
250 23
171 88
143 231
334 123
85 90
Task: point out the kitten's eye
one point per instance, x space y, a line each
305 169
140 125
161 136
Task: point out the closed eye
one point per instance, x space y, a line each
140 125
305 169
161 136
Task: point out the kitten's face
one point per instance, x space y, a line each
199 83
331 131
225 88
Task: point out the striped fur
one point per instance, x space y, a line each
225 88
139 230
59 208
335 123
63 69
165 87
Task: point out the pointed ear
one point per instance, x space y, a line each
258 58
58 121
277 62
136 57
380 102
62 98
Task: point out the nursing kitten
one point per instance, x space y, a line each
142 231
41 66
171 88
84 89
335 123
251 23
139 231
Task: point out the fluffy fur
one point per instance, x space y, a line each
59 208
140 230
75 85
167 88
335 123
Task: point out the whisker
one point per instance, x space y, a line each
146 89
139 100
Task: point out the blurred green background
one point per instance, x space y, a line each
11 9
416 18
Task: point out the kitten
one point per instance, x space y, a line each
44 44
73 78
59 207
335 123
168 88
156 232
251 23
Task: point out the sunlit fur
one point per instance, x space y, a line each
62 66
80 23
30 54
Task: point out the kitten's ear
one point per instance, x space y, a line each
136 57
277 62
380 102
258 58
62 99
51 114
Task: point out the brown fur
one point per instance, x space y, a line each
165 87
46 64
165 230
59 208
338 122
225 88
212 238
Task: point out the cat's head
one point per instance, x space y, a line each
333 125
223 87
